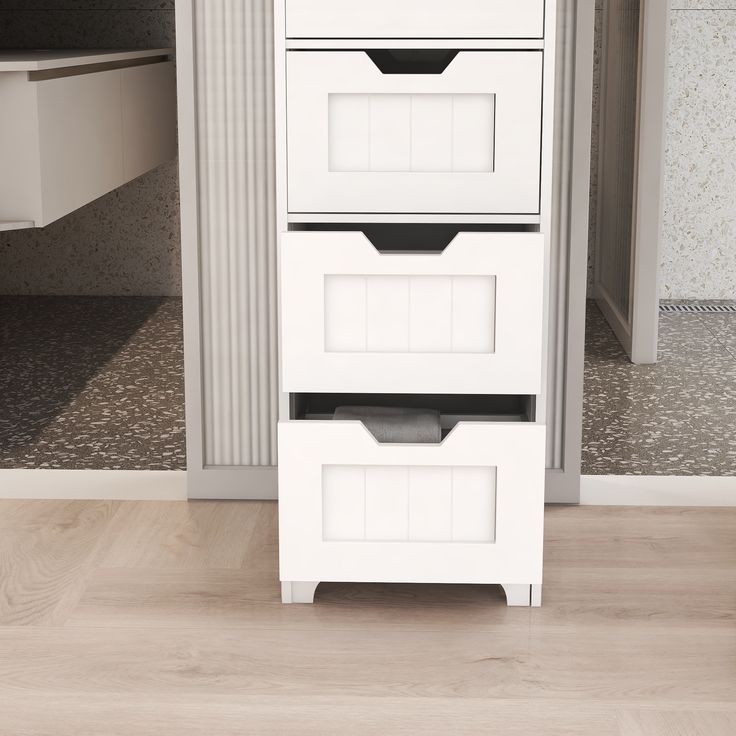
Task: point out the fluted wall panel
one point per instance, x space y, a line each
233 46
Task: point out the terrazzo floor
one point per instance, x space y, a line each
677 417
91 383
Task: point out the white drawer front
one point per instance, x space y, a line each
414 19
463 141
467 510
467 320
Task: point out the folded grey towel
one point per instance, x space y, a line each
391 424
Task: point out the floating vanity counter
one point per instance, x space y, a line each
78 124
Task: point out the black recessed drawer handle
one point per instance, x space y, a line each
412 61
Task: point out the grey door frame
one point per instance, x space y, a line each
573 160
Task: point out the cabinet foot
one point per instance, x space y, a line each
298 592
523 595
536 595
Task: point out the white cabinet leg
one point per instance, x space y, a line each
536 595
298 592
518 595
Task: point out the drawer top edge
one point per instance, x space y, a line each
296 43
411 218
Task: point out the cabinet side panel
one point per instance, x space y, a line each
20 192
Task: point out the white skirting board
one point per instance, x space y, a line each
126 485
657 490
170 485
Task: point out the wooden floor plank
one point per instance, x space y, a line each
293 716
194 535
46 554
598 663
676 723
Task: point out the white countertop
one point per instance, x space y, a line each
32 61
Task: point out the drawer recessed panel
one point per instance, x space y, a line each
351 508
409 314
366 503
402 132
464 140
414 19
465 320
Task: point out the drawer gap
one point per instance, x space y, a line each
453 408
411 237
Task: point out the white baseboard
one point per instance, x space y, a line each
127 485
171 485
235 483
657 490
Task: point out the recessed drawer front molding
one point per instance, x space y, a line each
409 314
401 132
414 18
370 503
464 140
466 320
467 510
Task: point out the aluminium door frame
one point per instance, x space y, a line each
572 182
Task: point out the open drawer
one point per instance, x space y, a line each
469 509
457 133
465 320
414 19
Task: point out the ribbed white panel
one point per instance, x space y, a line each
235 139
402 503
409 314
406 132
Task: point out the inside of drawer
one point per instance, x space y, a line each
411 238
453 408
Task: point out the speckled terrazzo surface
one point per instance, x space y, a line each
697 256
677 417
91 383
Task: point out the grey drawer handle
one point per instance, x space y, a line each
412 61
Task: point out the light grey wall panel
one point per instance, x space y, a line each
237 239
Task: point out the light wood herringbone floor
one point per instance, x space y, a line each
164 618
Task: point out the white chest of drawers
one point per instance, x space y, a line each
414 167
